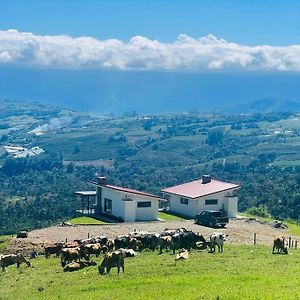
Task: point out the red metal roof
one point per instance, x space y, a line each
196 188
131 191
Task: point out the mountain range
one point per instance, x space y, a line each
118 92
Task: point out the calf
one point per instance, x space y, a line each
78 265
279 245
111 260
217 239
10 259
165 242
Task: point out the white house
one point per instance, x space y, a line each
206 193
127 204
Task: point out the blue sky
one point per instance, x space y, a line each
244 22
152 56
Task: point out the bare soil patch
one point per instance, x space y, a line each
240 231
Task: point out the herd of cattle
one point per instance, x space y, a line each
76 255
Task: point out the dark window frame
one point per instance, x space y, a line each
211 201
184 201
144 204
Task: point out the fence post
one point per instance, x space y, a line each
88 235
292 243
66 240
254 239
290 239
296 244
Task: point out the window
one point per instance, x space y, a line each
184 201
144 204
107 206
211 201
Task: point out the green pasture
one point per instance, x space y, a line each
3 243
169 217
241 272
86 221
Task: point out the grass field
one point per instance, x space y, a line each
169 217
86 221
241 272
3 242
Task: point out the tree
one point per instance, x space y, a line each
215 137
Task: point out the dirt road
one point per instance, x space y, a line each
240 231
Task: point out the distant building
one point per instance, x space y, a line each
22 152
126 204
192 198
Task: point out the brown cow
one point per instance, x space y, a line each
89 249
10 259
78 265
110 245
53 249
68 255
111 260
279 245
165 243
134 244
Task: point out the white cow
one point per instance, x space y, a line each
217 239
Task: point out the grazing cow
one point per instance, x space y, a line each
89 249
134 244
217 239
68 255
110 245
279 245
102 239
74 244
185 240
111 260
121 242
78 265
165 242
10 259
53 249
149 240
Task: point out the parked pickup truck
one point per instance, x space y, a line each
211 218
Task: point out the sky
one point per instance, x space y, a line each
248 22
229 37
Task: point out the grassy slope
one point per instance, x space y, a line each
3 241
242 272
86 221
169 217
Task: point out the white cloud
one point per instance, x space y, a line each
140 53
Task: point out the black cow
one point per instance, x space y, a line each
186 240
122 242
149 240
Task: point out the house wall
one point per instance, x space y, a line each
189 209
128 210
196 206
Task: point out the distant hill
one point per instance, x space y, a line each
119 92
265 105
